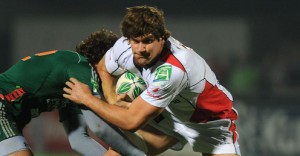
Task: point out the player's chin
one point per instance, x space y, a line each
141 61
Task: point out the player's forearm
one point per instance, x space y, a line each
109 91
116 115
108 82
124 118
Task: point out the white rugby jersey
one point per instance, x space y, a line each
181 81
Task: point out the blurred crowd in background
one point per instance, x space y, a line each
270 71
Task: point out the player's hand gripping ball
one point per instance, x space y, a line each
130 84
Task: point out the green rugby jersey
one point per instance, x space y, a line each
43 76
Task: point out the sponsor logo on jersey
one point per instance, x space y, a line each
162 76
163 73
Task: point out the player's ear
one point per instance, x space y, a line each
162 41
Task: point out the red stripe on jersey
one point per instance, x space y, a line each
232 128
1 96
170 58
13 95
213 104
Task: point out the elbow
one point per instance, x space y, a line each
132 126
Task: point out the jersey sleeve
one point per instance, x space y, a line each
117 56
166 82
111 64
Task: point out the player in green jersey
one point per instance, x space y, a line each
34 85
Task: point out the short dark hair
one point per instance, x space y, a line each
143 20
95 46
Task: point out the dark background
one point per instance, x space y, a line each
265 82
274 25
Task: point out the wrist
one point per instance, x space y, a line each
87 100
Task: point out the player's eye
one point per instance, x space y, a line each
134 41
148 41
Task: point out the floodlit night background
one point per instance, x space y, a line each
252 46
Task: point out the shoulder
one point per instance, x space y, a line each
167 75
72 56
186 57
67 53
119 56
163 84
120 50
53 57
121 45
178 47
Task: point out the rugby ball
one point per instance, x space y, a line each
130 84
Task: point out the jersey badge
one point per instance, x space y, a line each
162 75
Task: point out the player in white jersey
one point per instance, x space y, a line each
183 98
